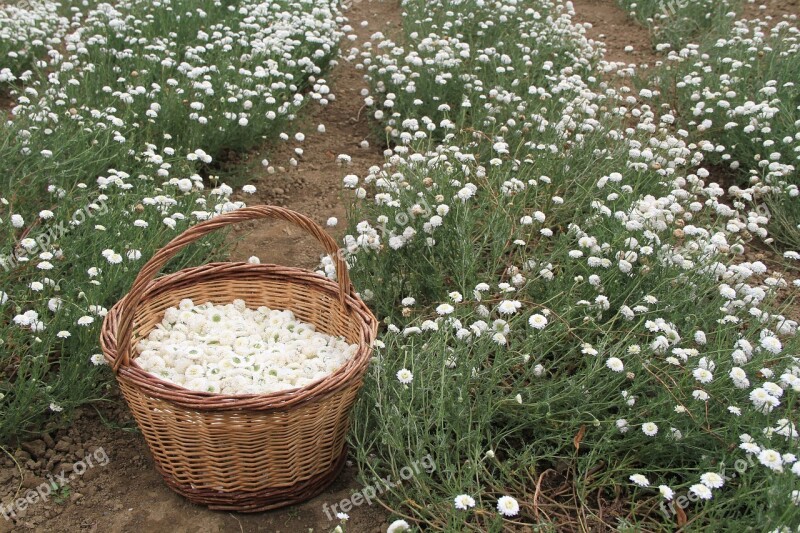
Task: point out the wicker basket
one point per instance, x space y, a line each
252 452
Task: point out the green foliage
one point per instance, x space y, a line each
557 271
120 115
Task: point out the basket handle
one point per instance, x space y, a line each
161 257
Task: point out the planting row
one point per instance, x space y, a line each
733 84
120 115
579 333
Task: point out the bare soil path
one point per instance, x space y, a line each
608 24
314 185
775 9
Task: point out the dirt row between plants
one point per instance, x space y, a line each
630 44
611 27
313 186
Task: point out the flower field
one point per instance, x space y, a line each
586 271
109 152
567 281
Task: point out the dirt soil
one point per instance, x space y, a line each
314 186
608 24
122 492
776 9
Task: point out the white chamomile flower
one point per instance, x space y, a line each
702 375
507 506
398 526
537 321
712 480
444 309
771 459
405 376
508 307
650 429
771 344
701 491
464 502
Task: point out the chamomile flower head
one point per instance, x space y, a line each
405 376
444 309
700 491
666 492
712 480
772 459
398 526
508 307
464 502
537 321
650 429
508 506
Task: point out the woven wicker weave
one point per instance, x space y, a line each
249 452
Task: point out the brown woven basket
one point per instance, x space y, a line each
252 452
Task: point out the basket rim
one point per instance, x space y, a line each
158 388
